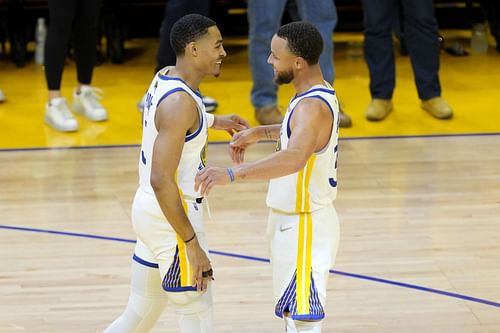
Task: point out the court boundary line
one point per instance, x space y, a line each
259 259
352 138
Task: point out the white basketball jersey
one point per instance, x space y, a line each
193 155
315 186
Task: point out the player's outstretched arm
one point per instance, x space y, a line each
310 128
231 123
242 140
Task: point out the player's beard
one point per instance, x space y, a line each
284 77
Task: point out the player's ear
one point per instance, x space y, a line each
300 63
191 49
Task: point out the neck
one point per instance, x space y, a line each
186 72
308 78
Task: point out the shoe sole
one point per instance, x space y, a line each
78 109
371 118
49 122
438 117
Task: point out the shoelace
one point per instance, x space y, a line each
94 95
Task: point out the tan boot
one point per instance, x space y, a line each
437 107
378 109
269 115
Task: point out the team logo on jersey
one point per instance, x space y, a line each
278 145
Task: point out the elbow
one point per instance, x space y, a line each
157 182
299 164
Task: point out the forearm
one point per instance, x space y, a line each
269 132
279 164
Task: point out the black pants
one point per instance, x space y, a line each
421 37
82 17
174 10
491 9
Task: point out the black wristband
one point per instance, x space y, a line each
190 239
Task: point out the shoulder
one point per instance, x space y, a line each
177 109
312 107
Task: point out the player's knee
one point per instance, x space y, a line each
188 302
307 326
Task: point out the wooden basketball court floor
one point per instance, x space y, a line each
419 205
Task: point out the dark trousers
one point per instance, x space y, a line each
421 37
174 10
491 10
82 16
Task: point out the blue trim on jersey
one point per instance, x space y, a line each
308 316
172 279
170 92
166 78
195 134
179 289
332 182
329 91
144 262
288 302
289 130
143 158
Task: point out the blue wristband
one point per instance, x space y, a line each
231 174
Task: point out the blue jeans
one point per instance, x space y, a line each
264 18
421 35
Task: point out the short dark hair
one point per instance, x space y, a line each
188 29
303 39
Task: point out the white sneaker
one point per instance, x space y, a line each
2 96
87 103
58 115
210 104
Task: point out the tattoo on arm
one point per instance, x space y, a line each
268 133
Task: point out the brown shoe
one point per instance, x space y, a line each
268 115
378 109
345 120
437 107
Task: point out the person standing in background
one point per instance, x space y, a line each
264 18
421 40
82 15
175 9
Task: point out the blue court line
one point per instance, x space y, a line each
245 257
352 138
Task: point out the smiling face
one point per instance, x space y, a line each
282 61
210 52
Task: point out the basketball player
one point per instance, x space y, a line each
170 260
303 227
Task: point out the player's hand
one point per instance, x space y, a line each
208 177
237 155
241 141
231 124
202 269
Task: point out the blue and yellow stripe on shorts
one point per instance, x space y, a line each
301 298
180 273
